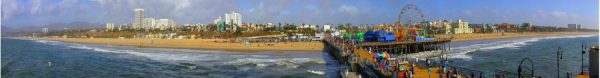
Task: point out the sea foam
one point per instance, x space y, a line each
225 58
460 52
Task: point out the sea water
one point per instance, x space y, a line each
491 56
23 58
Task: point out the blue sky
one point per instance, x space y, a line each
17 13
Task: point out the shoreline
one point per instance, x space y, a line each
492 36
313 46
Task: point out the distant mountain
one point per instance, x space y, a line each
53 26
6 28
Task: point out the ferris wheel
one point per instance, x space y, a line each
410 15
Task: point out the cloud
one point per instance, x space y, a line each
468 12
39 12
35 6
10 8
540 14
561 14
352 10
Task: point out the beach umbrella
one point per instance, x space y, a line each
386 55
374 55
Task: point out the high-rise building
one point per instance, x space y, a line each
461 27
44 30
219 23
233 19
137 20
574 27
110 26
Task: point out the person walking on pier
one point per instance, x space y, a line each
412 70
472 75
441 73
480 74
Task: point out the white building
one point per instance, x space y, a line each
461 27
269 25
122 27
313 27
233 19
163 24
326 28
44 30
443 26
110 26
574 27
303 26
149 23
137 20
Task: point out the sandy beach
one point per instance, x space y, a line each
210 44
315 46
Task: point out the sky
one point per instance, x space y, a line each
19 13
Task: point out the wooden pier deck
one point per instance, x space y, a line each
345 52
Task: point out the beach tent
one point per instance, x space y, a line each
390 37
381 35
370 36
347 35
360 36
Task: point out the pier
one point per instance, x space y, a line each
358 56
420 59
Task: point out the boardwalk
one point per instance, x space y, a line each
359 55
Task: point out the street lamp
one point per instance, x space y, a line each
558 59
582 52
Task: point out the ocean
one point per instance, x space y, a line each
493 56
22 58
42 58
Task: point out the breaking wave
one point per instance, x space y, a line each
460 52
200 56
48 42
266 62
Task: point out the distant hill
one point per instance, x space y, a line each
53 26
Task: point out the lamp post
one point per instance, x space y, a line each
558 59
582 52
